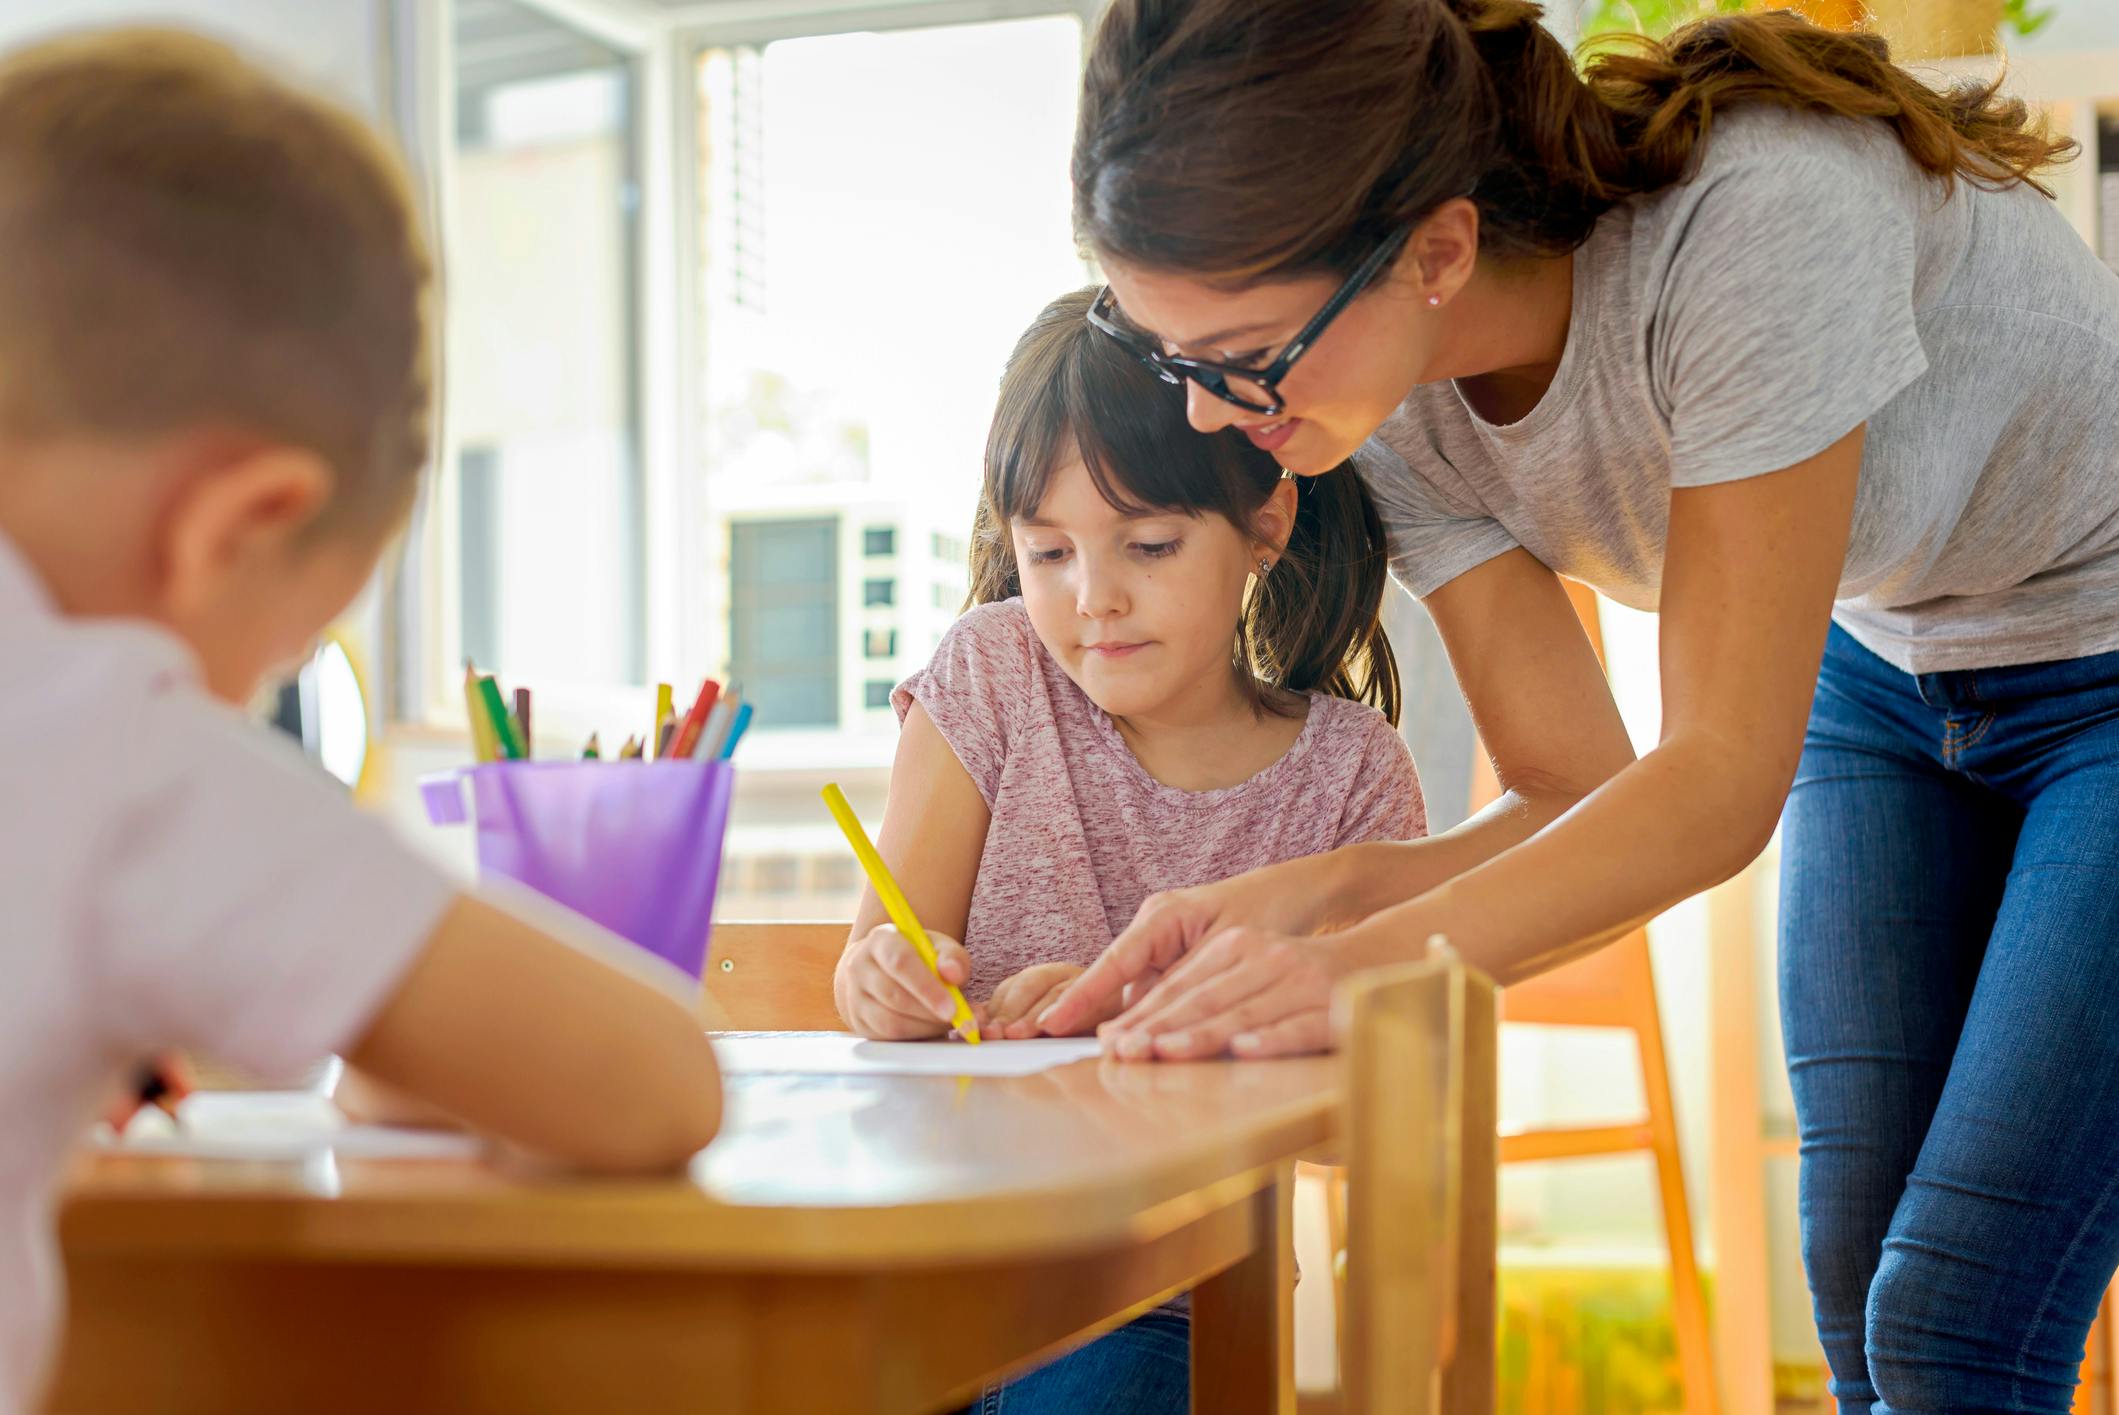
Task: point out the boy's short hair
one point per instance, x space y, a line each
188 243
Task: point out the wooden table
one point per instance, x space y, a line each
848 1244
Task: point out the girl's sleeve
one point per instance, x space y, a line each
1385 803
976 688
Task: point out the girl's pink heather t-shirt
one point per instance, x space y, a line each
1082 834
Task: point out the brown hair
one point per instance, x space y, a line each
1312 624
186 243
1254 138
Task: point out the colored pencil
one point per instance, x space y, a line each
695 721
665 714
484 745
497 714
894 903
735 731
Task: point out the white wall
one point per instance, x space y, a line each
336 44
2076 25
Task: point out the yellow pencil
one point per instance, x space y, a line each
894 903
665 709
485 745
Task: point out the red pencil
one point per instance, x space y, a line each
695 721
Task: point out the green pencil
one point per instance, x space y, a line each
503 725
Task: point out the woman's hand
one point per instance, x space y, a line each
1013 1010
887 993
1245 991
1292 898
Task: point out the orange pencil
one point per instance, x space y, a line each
695 721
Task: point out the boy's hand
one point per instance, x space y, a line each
1013 1011
161 1083
888 995
363 1100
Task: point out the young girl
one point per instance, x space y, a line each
1174 672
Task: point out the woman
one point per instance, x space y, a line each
1753 329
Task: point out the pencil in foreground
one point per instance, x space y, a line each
895 905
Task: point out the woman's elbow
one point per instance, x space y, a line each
1749 817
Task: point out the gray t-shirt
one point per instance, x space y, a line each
1810 278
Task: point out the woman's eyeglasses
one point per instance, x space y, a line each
1256 390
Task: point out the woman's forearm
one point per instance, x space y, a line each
1676 822
1368 879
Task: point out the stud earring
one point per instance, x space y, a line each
1435 300
1265 567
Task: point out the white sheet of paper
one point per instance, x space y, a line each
837 1054
275 1125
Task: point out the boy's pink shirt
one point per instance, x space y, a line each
1082 834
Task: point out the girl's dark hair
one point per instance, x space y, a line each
1247 139
1312 624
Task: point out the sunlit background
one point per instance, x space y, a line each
727 289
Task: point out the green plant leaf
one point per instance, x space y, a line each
2020 17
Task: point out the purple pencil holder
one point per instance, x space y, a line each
635 847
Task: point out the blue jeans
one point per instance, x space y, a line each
1143 1368
1949 972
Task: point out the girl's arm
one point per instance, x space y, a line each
933 835
1749 576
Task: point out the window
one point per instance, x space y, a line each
882 643
943 599
478 530
784 630
836 178
949 549
542 382
879 692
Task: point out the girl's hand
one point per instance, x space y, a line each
887 994
1245 992
1016 1004
1288 898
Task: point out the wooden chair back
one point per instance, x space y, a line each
773 977
1418 1135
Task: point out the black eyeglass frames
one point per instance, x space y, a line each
1255 390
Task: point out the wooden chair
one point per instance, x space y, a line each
1611 988
1615 988
1421 1194
2100 1364
772 977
